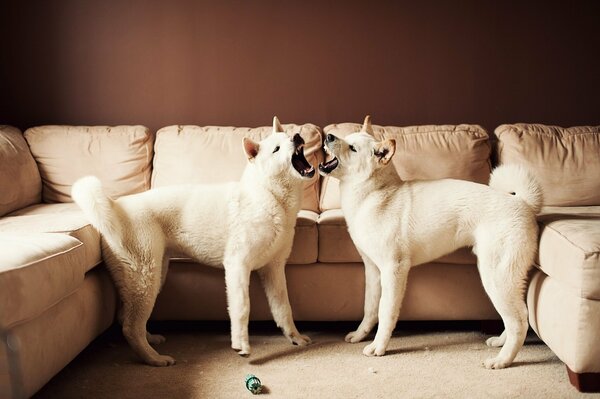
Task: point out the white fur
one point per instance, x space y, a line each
397 225
241 226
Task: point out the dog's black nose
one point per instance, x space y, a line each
298 140
329 138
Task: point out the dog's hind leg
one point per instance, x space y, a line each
138 298
237 281
507 295
273 279
155 339
372 297
393 285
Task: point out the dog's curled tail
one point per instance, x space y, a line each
517 180
87 192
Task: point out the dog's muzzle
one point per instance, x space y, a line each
299 162
328 166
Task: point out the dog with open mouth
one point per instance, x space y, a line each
397 224
243 226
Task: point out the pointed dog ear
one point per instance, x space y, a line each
276 125
384 150
366 127
250 148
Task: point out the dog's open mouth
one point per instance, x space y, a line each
328 166
300 163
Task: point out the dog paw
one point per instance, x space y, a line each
161 361
494 342
299 339
355 336
242 349
244 352
495 363
374 350
155 339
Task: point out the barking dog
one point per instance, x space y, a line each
241 226
396 225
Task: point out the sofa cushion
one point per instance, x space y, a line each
569 248
19 176
213 154
57 218
306 243
336 246
424 153
36 271
120 156
566 161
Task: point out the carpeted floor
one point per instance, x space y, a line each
422 362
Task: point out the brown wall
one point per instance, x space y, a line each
240 62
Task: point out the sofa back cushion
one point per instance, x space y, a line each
214 154
566 161
20 183
120 156
424 153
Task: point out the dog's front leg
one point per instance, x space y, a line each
237 281
273 279
393 285
372 296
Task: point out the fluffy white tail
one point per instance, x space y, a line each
96 205
517 180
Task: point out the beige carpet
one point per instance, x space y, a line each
421 363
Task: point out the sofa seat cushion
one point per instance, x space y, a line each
214 154
19 175
305 247
569 249
120 156
423 153
336 246
57 218
36 271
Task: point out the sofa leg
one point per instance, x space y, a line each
584 382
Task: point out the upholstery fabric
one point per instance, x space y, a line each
47 209
566 161
336 246
48 342
567 323
72 223
20 183
424 153
36 271
214 154
306 243
120 156
569 248
327 292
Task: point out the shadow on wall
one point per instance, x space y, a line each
30 69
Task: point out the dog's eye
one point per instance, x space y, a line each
276 149
352 148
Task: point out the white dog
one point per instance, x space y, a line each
396 225
241 226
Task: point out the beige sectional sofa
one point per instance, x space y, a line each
56 296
